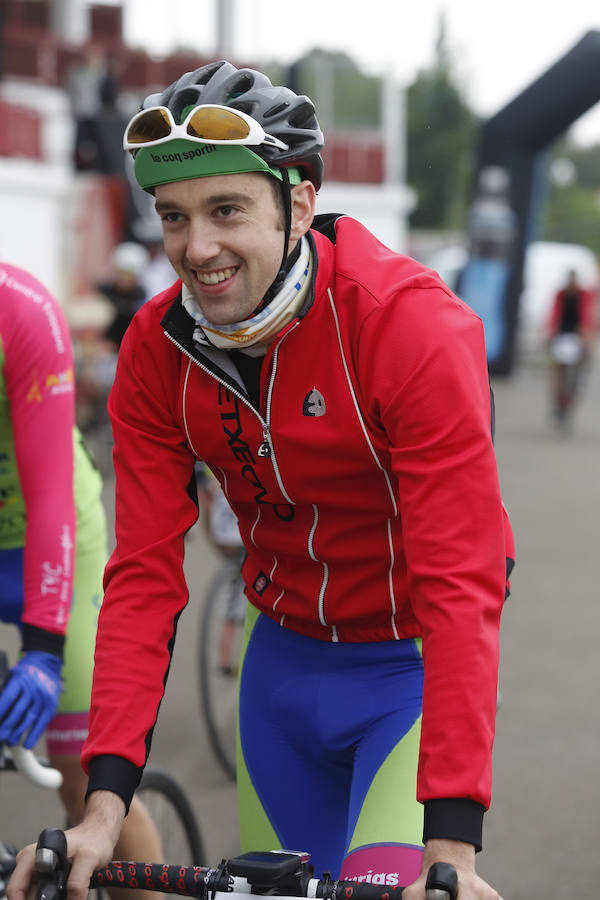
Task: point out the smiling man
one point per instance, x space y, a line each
224 236
339 392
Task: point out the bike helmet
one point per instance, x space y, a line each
284 115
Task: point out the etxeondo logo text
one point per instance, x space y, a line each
233 429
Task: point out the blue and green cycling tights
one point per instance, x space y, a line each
328 745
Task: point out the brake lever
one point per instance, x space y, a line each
442 882
51 865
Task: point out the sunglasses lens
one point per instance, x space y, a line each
149 126
217 125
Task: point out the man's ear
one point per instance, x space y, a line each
303 208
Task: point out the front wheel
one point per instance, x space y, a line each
172 813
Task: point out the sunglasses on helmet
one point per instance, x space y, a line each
209 124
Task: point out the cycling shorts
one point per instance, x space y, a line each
328 747
67 731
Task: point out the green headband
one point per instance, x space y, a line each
179 160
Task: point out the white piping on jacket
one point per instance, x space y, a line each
185 424
375 457
311 551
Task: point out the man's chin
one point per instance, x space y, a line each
218 314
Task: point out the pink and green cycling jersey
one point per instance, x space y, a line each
48 485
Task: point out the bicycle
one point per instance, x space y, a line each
220 644
221 628
172 813
164 799
281 873
567 369
162 795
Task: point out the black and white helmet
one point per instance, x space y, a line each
281 113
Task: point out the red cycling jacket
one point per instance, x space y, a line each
366 490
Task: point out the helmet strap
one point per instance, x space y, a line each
286 262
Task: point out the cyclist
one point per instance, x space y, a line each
339 392
571 331
52 543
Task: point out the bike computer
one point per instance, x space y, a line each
264 867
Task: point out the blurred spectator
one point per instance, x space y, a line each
83 86
109 88
125 290
159 274
98 322
93 85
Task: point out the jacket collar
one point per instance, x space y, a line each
179 326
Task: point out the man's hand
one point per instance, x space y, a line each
89 846
462 857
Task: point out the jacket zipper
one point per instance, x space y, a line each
267 433
266 449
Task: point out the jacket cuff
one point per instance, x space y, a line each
455 819
116 774
39 639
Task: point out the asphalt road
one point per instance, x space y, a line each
541 836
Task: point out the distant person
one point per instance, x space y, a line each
93 85
109 87
83 87
96 343
158 274
571 332
125 290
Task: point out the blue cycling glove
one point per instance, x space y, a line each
30 698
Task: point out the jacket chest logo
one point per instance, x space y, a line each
314 404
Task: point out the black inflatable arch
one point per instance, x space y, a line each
514 138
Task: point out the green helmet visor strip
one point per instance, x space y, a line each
180 160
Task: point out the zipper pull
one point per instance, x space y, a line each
265 448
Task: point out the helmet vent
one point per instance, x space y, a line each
275 110
209 71
242 86
304 117
185 98
247 108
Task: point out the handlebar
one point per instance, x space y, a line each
276 873
25 760
28 763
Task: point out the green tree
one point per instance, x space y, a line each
572 212
345 97
441 137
